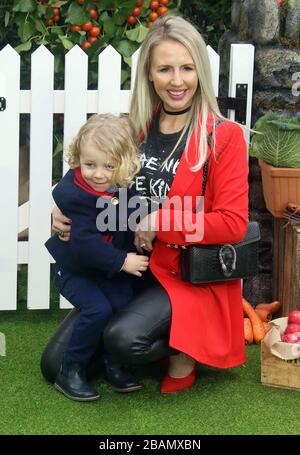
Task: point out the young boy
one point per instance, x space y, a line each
93 269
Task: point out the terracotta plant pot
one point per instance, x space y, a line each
280 186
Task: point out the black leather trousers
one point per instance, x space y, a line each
138 334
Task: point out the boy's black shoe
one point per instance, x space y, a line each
117 377
71 381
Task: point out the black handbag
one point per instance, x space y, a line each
213 263
201 263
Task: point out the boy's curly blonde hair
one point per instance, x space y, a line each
115 136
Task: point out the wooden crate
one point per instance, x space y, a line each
286 265
280 373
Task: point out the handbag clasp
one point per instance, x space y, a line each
227 257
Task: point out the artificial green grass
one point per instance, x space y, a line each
222 402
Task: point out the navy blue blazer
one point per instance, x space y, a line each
87 251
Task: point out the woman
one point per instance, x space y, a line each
175 110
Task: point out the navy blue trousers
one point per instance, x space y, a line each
97 300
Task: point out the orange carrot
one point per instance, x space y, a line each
257 324
266 326
248 332
264 315
271 307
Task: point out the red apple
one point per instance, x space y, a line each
290 338
294 317
292 328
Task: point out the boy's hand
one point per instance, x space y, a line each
135 264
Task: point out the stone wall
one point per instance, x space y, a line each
274 30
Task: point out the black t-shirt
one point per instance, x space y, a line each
154 179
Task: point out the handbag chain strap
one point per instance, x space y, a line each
227 247
204 178
205 165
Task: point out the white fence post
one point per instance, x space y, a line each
134 61
76 80
40 181
241 72
109 81
75 102
214 60
9 176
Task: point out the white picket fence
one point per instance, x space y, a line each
75 102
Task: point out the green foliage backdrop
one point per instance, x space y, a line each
213 17
93 24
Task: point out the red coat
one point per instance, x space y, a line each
207 320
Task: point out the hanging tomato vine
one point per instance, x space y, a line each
91 24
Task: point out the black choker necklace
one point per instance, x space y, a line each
176 112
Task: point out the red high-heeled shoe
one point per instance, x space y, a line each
170 385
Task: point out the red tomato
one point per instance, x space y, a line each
93 13
154 5
87 26
162 10
132 20
153 16
55 11
164 2
138 4
136 12
75 28
86 45
80 2
95 31
92 39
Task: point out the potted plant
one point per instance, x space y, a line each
276 144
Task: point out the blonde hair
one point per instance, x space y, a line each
145 100
113 135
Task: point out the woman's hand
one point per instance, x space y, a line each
143 240
61 224
145 233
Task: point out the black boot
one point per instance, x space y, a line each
117 377
71 381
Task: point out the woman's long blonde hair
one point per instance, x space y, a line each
145 101
115 136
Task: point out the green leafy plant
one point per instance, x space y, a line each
277 140
213 17
91 24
